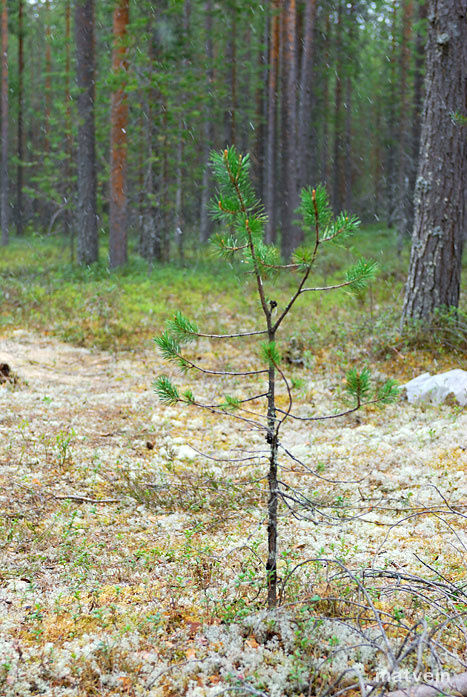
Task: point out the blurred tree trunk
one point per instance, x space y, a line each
291 234
230 127
417 108
118 213
391 126
48 77
270 158
405 153
87 247
326 155
68 228
338 184
5 217
348 162
305 94
440 197
205 221
178 222
20 135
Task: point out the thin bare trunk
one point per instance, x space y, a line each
291 234
205 222
270 161
417 111
326 155
391 112
68 228
304 107
118 218
48 77
20 137
338 170
404 133
5 217
88 248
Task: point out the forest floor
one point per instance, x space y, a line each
132 565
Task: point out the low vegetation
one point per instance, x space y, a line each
133 565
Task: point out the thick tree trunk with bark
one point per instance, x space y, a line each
440 196
20 137
118 217
87 243
291 234
4 202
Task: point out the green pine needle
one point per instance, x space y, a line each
358 384
359 275
167 393
388 392
168 346
189 397
270 353
182 329
231 402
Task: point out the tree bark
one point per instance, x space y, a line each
67 226
270 159
417 110
87 243
305 90
118 218
338 184
4 215
291 234
48 77
20 136
404 132
435 262
391 126
205 222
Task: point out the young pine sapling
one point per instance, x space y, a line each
238 208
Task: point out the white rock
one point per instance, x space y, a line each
436 388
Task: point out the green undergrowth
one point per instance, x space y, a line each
122 310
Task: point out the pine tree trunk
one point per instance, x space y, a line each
205 221
291 234
118 213
270 159
67 227
305 88
348 164
416 111
230 136
440 205
4 215
87 243
20 136
326 158
391 126
338 170
48 78
403 129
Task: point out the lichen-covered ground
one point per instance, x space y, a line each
133 565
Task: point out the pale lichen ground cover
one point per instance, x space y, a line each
131 565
